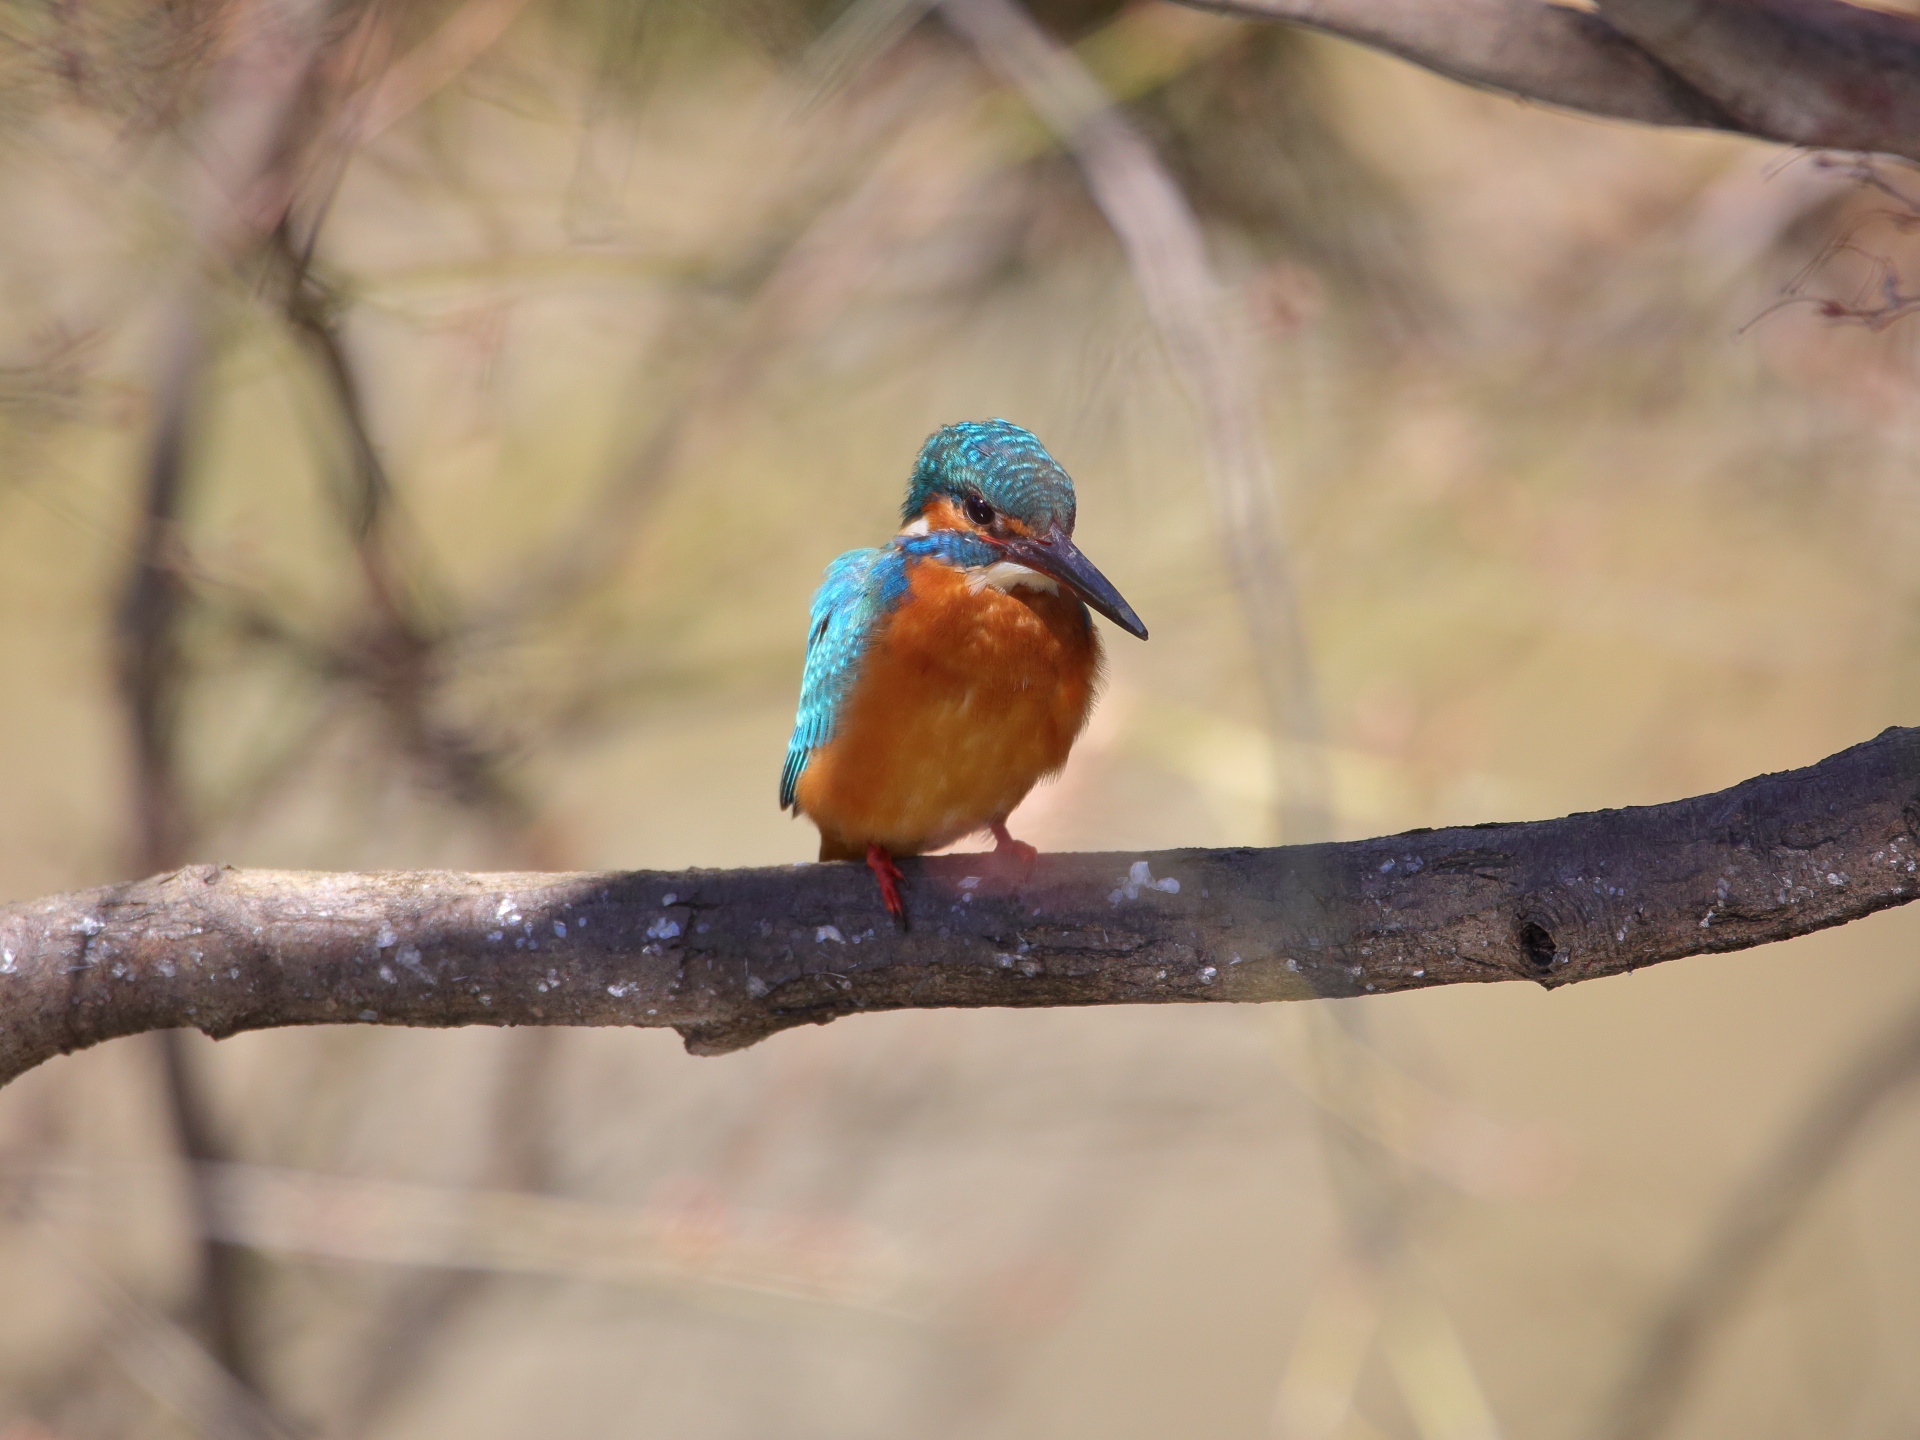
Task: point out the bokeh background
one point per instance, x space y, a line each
500 472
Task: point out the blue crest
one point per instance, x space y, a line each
1000 461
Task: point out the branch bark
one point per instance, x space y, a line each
1819 73
728 957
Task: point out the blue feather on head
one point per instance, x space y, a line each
1003 463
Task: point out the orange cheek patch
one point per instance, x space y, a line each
942 514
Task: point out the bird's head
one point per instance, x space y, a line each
994 480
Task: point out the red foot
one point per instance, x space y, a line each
888 874
1005 845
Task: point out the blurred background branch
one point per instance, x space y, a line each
1758 1216
240 170
1167 255
1820 73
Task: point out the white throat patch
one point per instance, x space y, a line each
1005 575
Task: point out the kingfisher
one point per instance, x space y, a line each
951 669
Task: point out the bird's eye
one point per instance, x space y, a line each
978 510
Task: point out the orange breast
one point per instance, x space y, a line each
965 698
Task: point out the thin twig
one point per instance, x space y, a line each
166 1361
400 653
806 273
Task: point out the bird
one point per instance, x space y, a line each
951 669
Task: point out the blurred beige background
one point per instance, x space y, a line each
663 299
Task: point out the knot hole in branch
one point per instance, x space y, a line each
1910 814
1536 943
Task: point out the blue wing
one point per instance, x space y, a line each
856 592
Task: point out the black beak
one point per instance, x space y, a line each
1055 554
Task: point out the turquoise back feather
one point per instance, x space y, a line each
843 611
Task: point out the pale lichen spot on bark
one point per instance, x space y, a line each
1139 877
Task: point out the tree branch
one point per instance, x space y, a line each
1802 72
1526 48
729 957
1807 72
